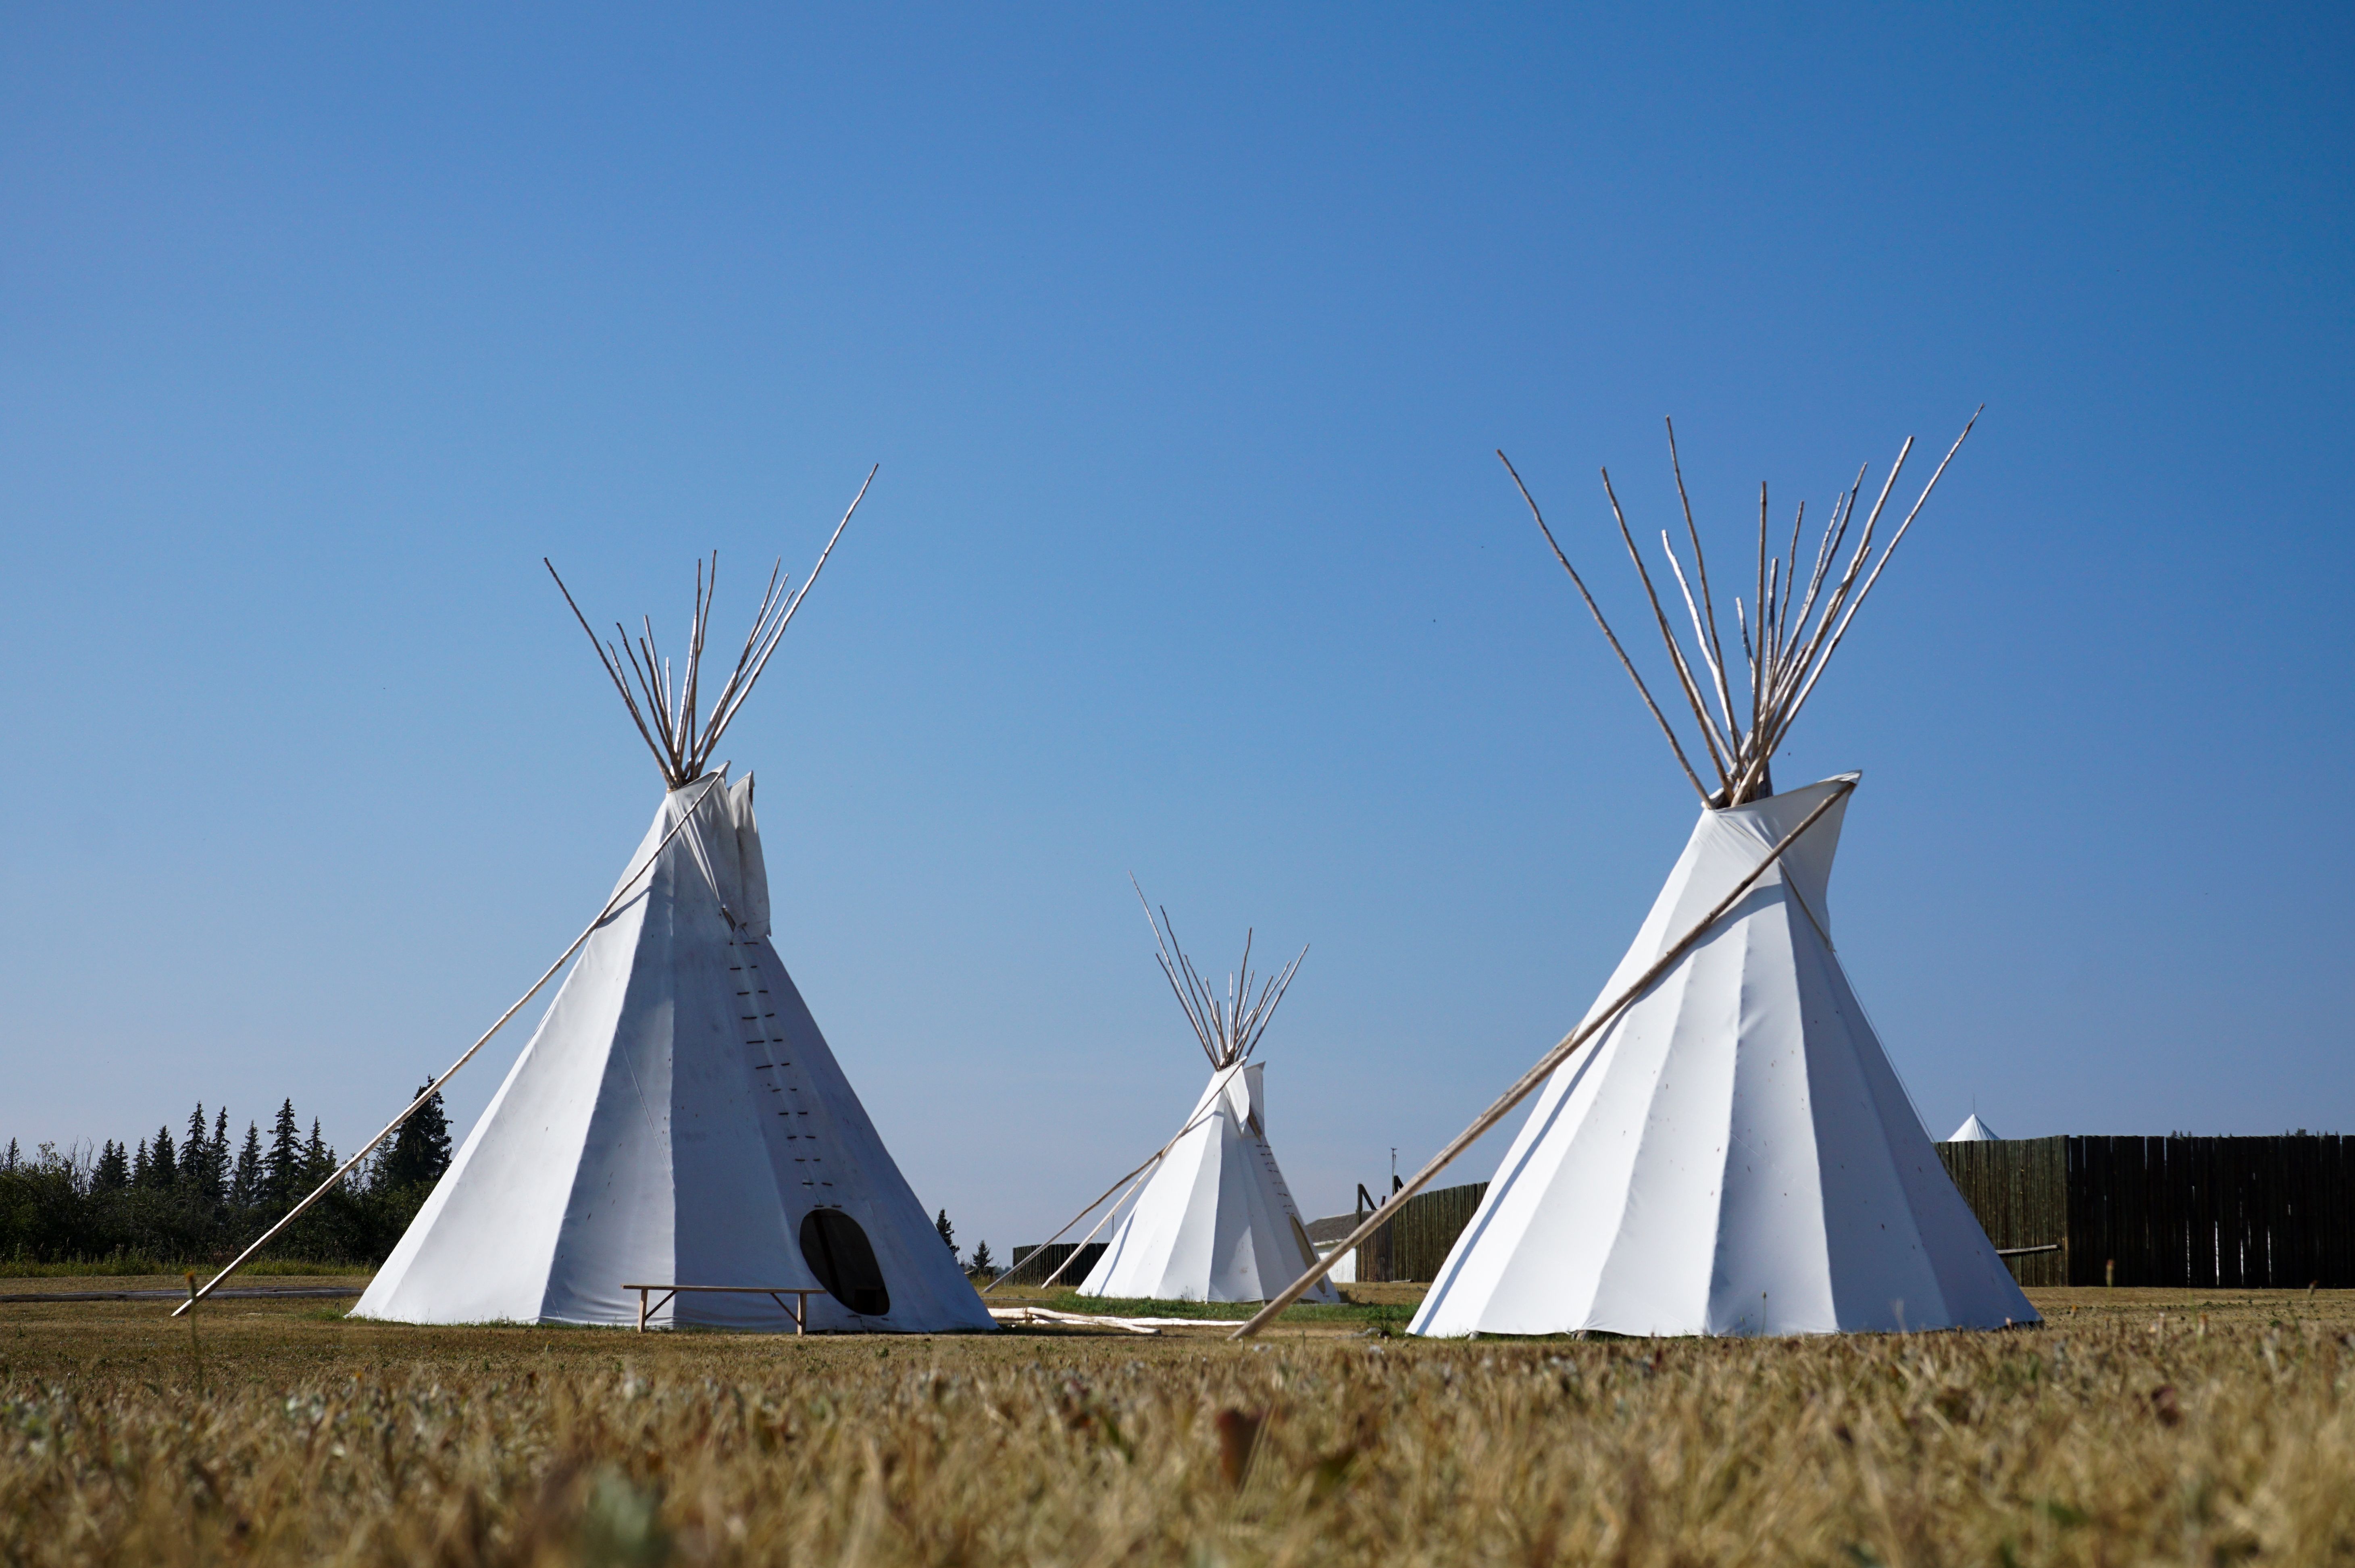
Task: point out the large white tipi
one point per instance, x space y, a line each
1733 1153
678 1118
1214 1221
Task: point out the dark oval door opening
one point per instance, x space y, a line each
837 1251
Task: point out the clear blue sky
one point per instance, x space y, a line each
1183 342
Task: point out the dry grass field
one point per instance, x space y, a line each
2138 1427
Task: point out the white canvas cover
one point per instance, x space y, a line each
677 1118
1974 1132
1215 1221
1734 1154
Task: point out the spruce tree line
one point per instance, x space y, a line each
191 1201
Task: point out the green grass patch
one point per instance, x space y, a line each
123 1266
1228 1311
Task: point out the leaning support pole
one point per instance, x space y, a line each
1158 1155
1073 1257
1083 1215
1538 1074
435 1087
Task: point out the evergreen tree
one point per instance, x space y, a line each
318 1158
10 1161
139 1166
282 1166
112 1172
162 1169
948 1231
196 1150
421 1149
217 1160
981 1262
245 1188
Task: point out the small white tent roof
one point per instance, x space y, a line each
1973 1131
1734 1154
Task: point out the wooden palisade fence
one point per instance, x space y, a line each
1033 1264
2193 1213
2019 1189
1417 1239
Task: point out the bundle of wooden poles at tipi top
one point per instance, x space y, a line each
680 745
1229 1027
1784 655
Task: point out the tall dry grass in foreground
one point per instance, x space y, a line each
2095 1440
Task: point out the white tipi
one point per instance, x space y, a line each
678 1119
1214 1221
1974 1130
1733 1153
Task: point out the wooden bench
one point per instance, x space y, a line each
798 1312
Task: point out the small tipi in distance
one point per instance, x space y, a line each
1214 1221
